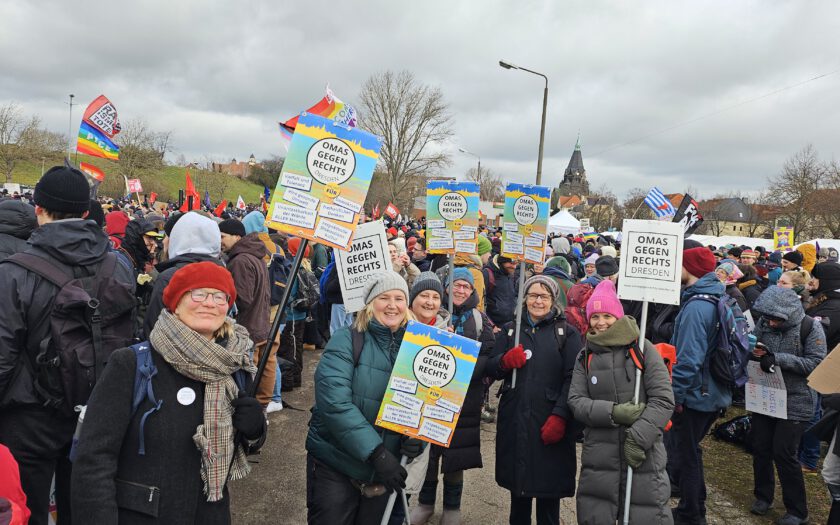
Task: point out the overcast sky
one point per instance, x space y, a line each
221 77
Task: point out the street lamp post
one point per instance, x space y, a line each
70 128
508 65
478 173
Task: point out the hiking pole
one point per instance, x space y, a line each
275 324
451 285
520 295
393 498
629 486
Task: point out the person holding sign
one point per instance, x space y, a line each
783 345
351 464
464 450
535 455
618 431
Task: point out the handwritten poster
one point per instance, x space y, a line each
766 393
451 217
325 179
526 222
428 384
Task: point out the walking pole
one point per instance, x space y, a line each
451 285
519 300
635 401
393 498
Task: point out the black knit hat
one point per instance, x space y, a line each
795 257
425 281
828 274
232 227
606 265
735 251
63 190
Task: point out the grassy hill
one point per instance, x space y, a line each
165 182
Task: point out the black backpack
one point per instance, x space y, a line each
308 293
91 316
737 431
278 271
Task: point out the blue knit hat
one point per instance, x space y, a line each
463 274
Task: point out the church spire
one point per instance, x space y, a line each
577 144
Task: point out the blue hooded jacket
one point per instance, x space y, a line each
695 334
255 222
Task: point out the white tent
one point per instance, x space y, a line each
563 222
737 241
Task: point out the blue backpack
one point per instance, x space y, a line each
728 359
322 282
279 270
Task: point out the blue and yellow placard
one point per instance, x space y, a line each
428 384
525 222
325 179
451 217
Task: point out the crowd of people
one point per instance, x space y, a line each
129 336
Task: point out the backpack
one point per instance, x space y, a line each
90 316
731 353
576 299
279 270
737 430
308 293
322 282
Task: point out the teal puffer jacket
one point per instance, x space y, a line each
341 432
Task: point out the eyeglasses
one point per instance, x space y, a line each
200 296
462 287
538 297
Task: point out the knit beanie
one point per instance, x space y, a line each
795 257
775 258
198 275
425 281
735 252
698 261
609 250
809 256
294 245
606 265
381 283
559 262
463 274
547 282
484 245
691 243
604 301
232 227
828 274
749 253
592 259
63 190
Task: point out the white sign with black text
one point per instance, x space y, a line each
651 261
368 256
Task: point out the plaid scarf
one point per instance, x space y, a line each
198 358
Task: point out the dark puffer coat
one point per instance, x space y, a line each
524 465
826 305
501 292
605 375
17 222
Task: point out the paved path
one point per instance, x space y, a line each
275 492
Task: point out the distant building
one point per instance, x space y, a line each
574 183
240 170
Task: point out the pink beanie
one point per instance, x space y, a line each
604 301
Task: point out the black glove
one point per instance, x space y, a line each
767 363
388 468
411 448
248 417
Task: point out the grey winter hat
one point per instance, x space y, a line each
384 282
425 281
606 265
549 283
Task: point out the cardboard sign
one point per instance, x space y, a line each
651 261
12 188
825 378
783 239
428 384
765 393
324 182
368 256
585 226
451 207
526 222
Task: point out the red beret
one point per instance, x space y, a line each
698 261
198 275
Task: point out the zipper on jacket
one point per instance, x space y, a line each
151 488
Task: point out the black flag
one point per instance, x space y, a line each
688 214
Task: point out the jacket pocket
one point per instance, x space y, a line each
137 497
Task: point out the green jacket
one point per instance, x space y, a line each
341 432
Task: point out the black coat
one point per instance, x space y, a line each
17 222
524 465
108 449
827 305
751 292
500 291
733 292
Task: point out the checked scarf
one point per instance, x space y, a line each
198 358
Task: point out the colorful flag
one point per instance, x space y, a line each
660 205
134 186
102 115
92 171
267 193
240 203
330 107
207 201
190 191
220 208
152 198
93 142
688 215
391 210
375 212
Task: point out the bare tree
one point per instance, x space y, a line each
792 190
412 118
490 187
826 202
141 148
266 172
633 206
601 209
23 139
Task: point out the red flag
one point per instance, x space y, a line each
92 170
190 190
220 208
391 210
375 212
152 198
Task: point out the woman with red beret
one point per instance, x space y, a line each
169 460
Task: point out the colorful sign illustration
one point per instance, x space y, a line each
526 222
451 217
368 256
321 191
428 384
783 239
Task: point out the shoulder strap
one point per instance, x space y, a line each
358 344
479 323
637 356
42 267
805 329
144 372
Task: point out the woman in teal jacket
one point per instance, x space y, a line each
351 464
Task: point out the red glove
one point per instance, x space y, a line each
514 358
553 429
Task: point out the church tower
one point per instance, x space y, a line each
574 178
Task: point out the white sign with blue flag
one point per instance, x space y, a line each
661 206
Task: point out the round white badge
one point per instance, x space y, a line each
594 380
186 396
528 354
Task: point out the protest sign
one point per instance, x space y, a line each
526 221
12 187
825 378
134 186
765 393
324 182
368 256
651 261
428 384
451 216
585 225
783 239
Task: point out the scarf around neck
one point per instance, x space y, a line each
213 364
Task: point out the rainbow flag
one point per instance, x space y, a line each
330 107
94 143
590 236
